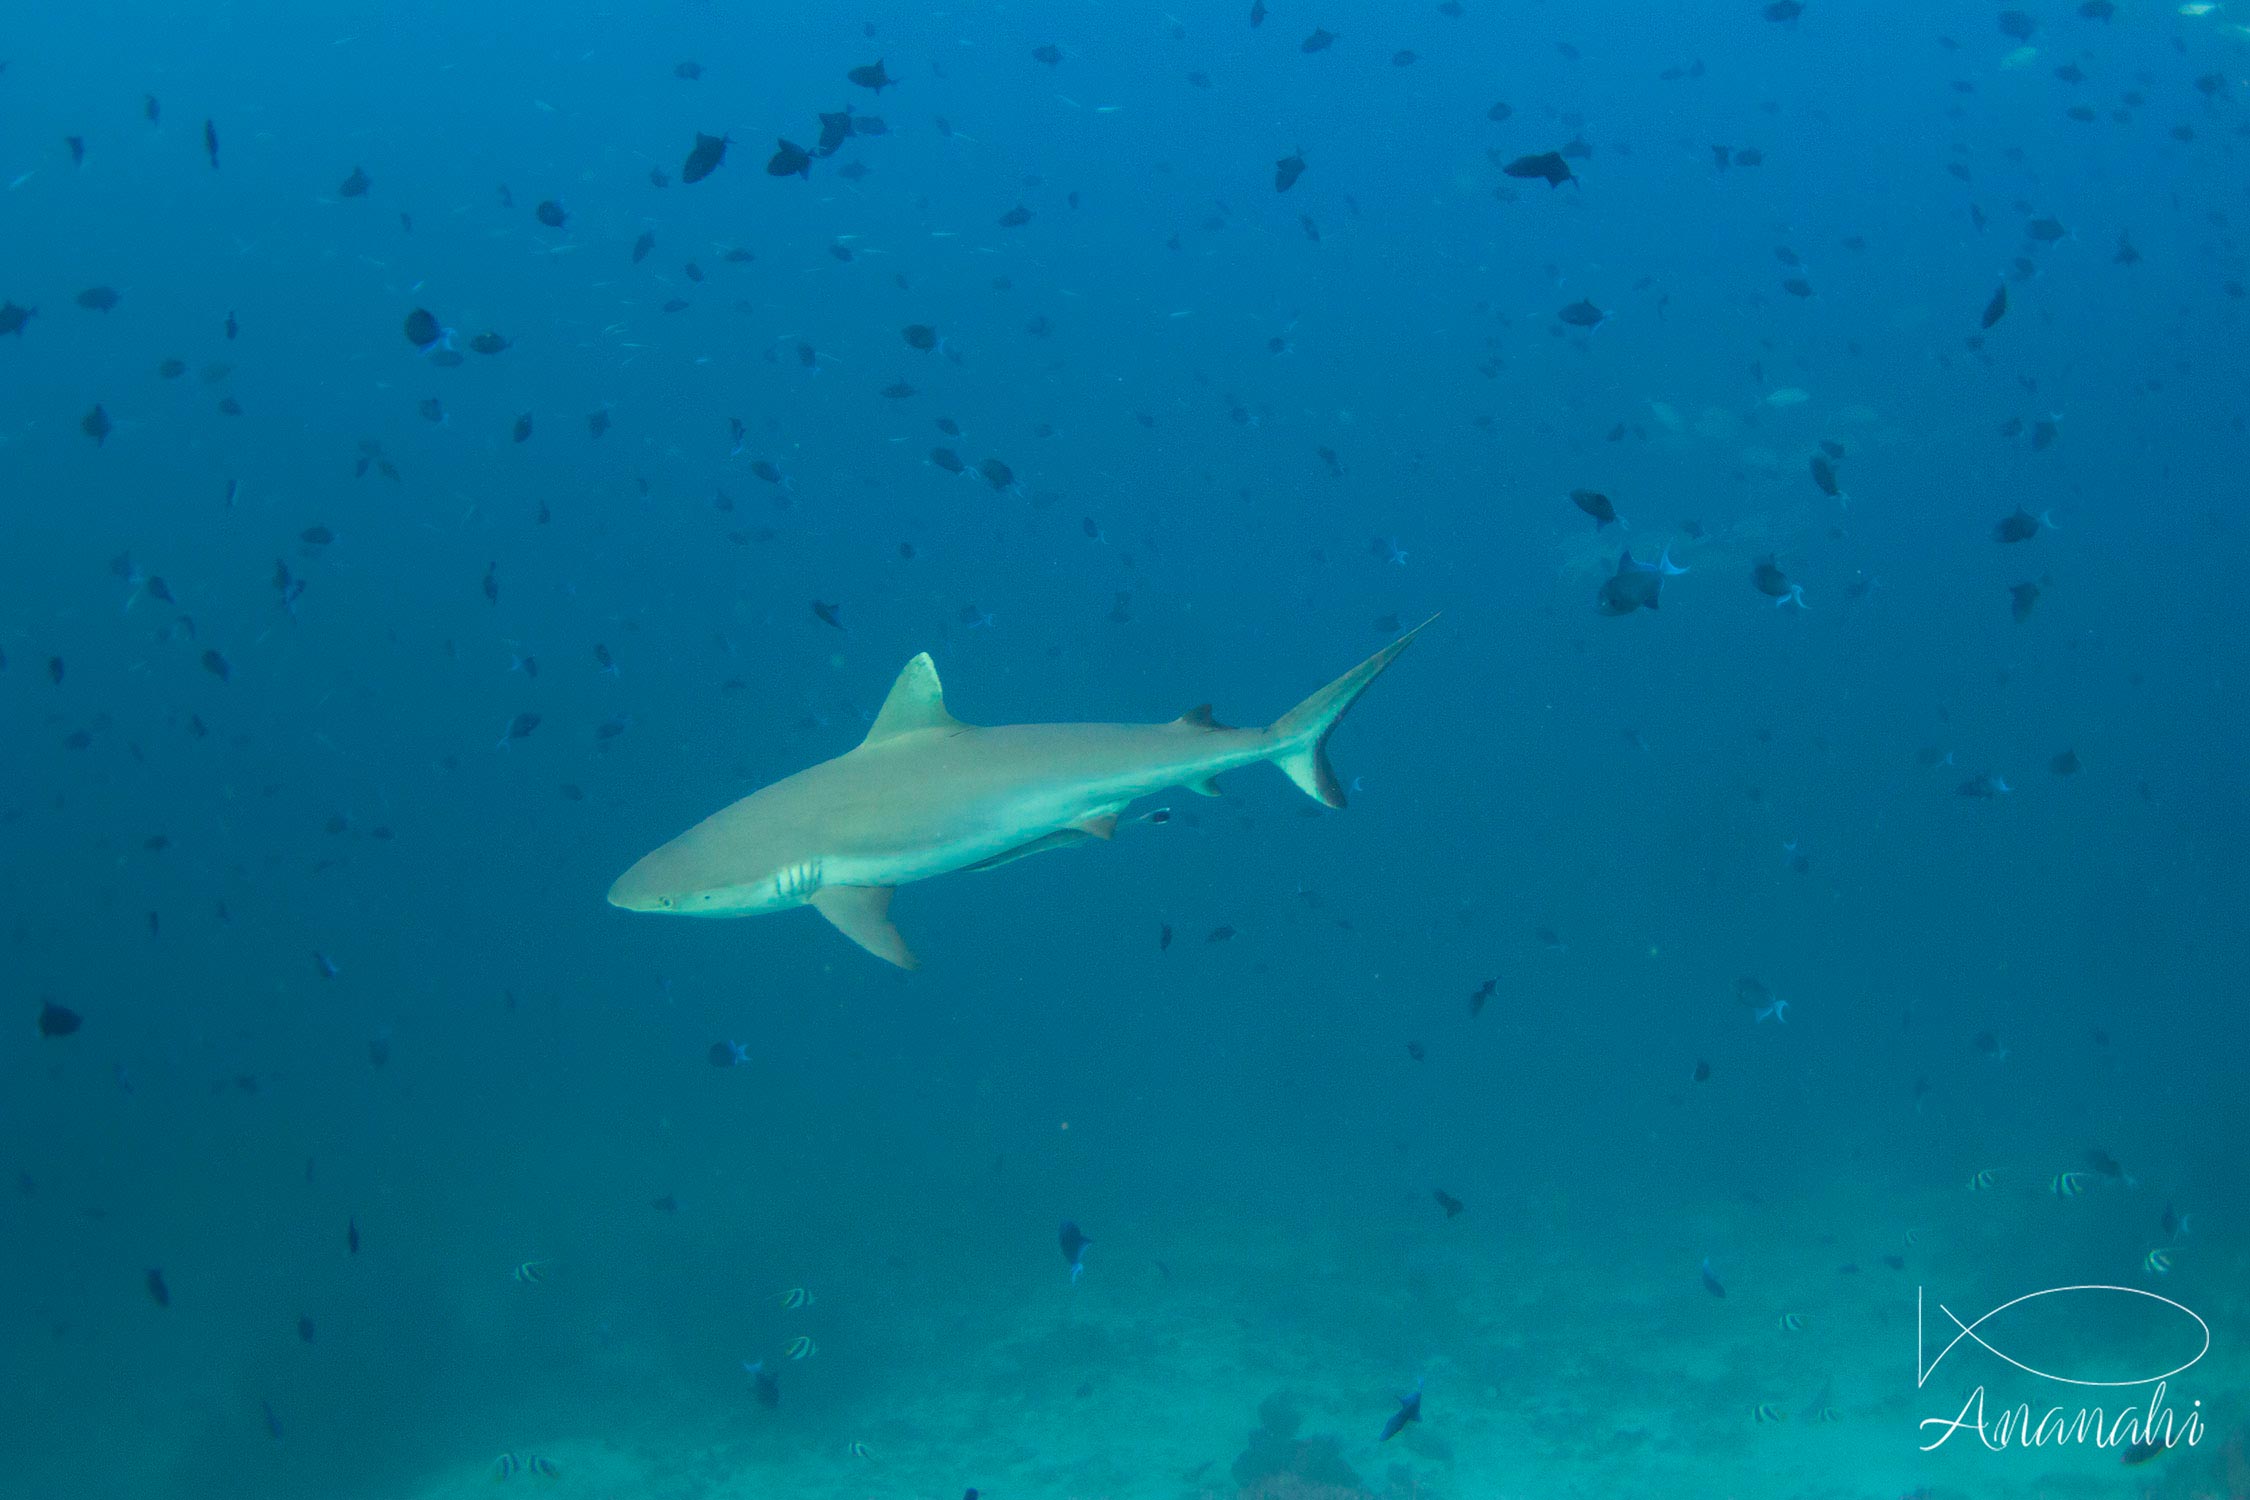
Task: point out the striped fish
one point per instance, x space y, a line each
2069 1184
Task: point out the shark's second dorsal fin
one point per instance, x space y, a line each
917 701
1199 717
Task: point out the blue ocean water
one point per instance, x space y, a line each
1717 945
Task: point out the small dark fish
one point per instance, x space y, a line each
2147 1448
98 298
643 245
1785 10
1711 1279
1500 113
2046 231
2021 527
1015 218
77 145
2097 10
919 336
1050 54
1218 934
1797 286
688 72
551 214
1415 1051
1409 1410
521 727
1257 13
789 160
948 460
58 1020
1548 166
829 614
704 159
354 186
2065 764
489 343
351 1236
217 665
1824 476
996 473
422 328
871 76
1702 1072
96 425
2021 599
431 408
728 1054
211 143
1768 579
1287 170
1983 787
1635 585
523 428
1996 309
597 423
835 129
1484 991
1163 936
158 1291
665 1205
12 319
1320 41
1448 1202
1595 504
1583 314
1074 1244
2017 24
151 111
304 1330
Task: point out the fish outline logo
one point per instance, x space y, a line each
1923 1370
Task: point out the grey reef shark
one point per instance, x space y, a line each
925 794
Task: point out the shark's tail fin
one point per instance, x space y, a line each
1300 736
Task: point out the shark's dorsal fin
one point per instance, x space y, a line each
1199 717
917 701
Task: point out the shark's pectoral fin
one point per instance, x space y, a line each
863 914
1099 825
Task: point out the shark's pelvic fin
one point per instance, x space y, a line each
863 912
916 701
1300 736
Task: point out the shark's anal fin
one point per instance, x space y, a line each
1207 787
863 914
1099 825
916 701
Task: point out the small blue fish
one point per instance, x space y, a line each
1074 1245
531 1272
1711 1279
1409 1410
